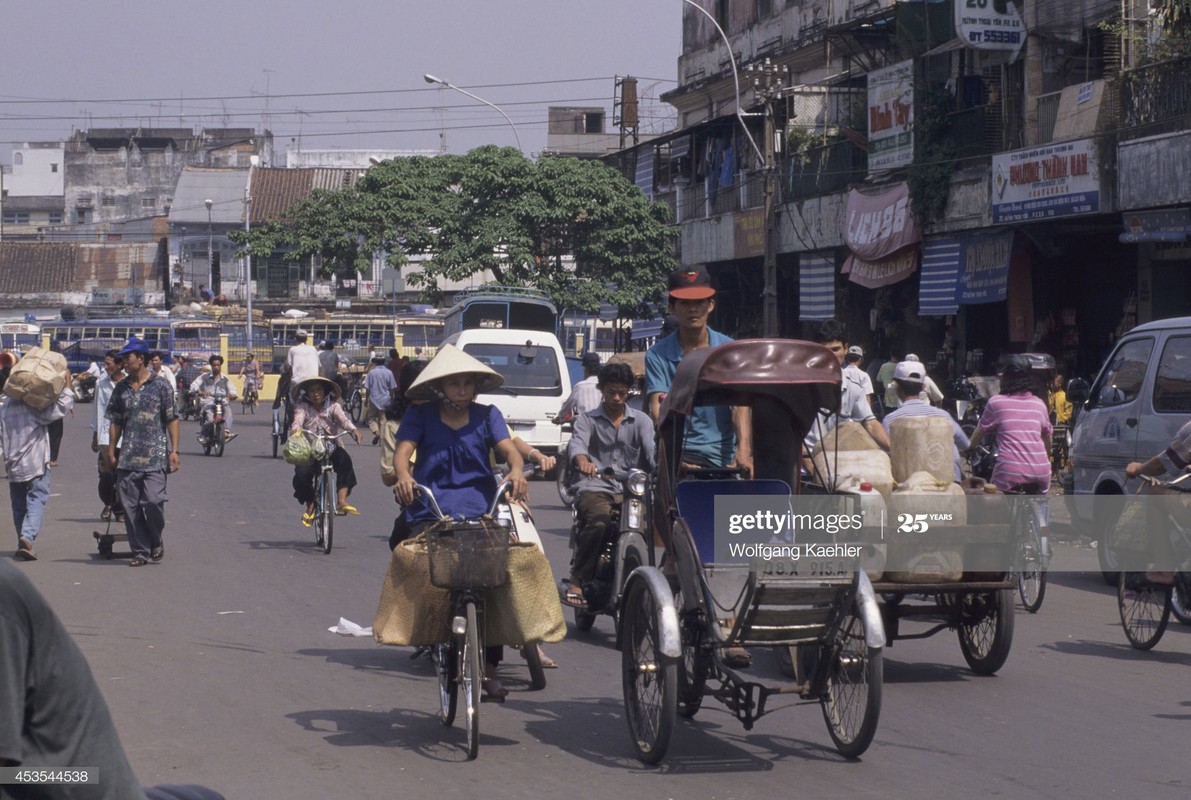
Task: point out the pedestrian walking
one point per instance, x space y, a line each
142 411
113 373
24 432
302 358
381 384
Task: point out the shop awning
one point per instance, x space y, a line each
816 287
940 276
883 271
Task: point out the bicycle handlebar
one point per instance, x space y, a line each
428 496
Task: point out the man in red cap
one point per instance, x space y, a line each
716 436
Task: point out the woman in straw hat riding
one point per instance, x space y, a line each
454 437
316 410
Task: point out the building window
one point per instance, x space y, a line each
764 9
16 217
82 215
721 14
56 217
53 167
148 203
108 200
18 158
593 122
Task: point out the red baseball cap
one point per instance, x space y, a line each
691 283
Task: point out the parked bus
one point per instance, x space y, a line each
19 335
356 336
501 307
84 341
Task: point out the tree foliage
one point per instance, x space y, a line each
573 228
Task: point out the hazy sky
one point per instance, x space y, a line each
334 74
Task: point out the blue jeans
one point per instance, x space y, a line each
29 500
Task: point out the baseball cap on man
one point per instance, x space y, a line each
137 346
300 333
911 371
691 283
855 353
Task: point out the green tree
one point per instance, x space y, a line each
575 229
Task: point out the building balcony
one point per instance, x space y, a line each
1155 99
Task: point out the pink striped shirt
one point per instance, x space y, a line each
1021 424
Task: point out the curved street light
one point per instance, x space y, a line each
210 247
432 79
735 75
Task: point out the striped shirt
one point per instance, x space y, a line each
1021 424
584 397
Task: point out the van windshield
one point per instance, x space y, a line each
526 370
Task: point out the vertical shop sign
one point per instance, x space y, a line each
891 117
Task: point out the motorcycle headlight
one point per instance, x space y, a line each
637 483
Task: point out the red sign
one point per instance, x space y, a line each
881 224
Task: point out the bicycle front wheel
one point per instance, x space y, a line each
471 678
1031 567
327 512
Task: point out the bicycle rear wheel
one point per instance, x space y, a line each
1144 607
327 512
446 656
471 678
1031 566
852 700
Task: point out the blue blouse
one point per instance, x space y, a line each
455 464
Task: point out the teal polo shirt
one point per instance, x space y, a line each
709 431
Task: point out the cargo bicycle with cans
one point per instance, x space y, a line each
686 610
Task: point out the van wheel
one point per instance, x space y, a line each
1106 508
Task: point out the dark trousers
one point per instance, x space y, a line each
107 484
56 428
143 495
594 525
305 474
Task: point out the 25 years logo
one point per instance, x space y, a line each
912 523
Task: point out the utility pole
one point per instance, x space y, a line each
769 81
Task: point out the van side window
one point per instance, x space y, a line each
1123 375
1172 386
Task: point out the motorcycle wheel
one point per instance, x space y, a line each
216 440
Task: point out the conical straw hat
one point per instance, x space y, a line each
450 360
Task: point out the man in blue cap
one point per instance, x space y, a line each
142 412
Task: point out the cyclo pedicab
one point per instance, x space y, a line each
679 615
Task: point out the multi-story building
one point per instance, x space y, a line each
32 190
1040 146
121 174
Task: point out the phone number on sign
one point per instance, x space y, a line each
42 777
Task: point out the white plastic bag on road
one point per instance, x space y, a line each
348 628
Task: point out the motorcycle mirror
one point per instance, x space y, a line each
1078 390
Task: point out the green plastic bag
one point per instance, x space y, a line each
298 450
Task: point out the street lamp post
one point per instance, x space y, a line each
432 79
210 247
253 161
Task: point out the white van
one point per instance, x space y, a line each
1137 403
536 380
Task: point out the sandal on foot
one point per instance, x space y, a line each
574 597
494 692
137 562
345 509
157 553
547 661
106 514
308 518
737 657
1160 578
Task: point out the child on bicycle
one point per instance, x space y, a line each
316 411
454 436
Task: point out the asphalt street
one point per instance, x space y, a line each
219 669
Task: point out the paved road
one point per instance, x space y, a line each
219 669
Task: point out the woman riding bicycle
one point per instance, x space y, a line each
1021 423
316 412
454 436
251 373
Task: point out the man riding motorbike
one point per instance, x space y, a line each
207 387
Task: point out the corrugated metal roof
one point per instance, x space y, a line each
225 187
275 190
36 267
